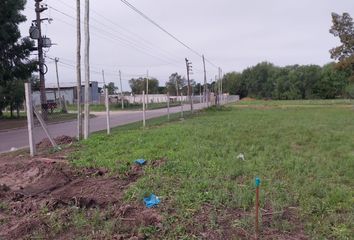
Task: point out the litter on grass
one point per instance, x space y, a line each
140 161
241 157
151 201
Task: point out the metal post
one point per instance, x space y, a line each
144 109
30 124
107 111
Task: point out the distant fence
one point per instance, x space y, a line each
162 98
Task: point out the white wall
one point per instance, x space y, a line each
67 93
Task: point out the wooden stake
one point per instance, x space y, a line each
258 182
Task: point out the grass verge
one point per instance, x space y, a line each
118 107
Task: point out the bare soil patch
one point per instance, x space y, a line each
216 223
45 197
61 140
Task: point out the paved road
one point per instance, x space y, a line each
19 138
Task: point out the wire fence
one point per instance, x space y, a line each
57 121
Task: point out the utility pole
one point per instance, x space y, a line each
56 69
200 94
205 80
43 96
220 86
78 70
87 68
147 88
177 88
189 70
216 90
121 89
103 79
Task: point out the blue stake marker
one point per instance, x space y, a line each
258 182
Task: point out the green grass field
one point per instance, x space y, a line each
302 151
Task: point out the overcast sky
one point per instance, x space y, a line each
232 34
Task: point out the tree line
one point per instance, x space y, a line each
267 81
333 80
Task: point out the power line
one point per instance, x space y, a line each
70 64
126 39
137 37
125 42
164 30
112 37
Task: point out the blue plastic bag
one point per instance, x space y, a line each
151 201
140 161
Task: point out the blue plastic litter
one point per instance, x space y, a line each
140 161
151 201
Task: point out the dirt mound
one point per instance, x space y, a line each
35 192
61 140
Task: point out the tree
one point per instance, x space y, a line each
139 85
111 88
15 64
260 80
175 84
233 83
343 27
162 90
332 82
305 79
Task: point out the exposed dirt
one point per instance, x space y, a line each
217 224
36 191
45 198
61 140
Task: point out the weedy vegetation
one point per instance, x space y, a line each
302 151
